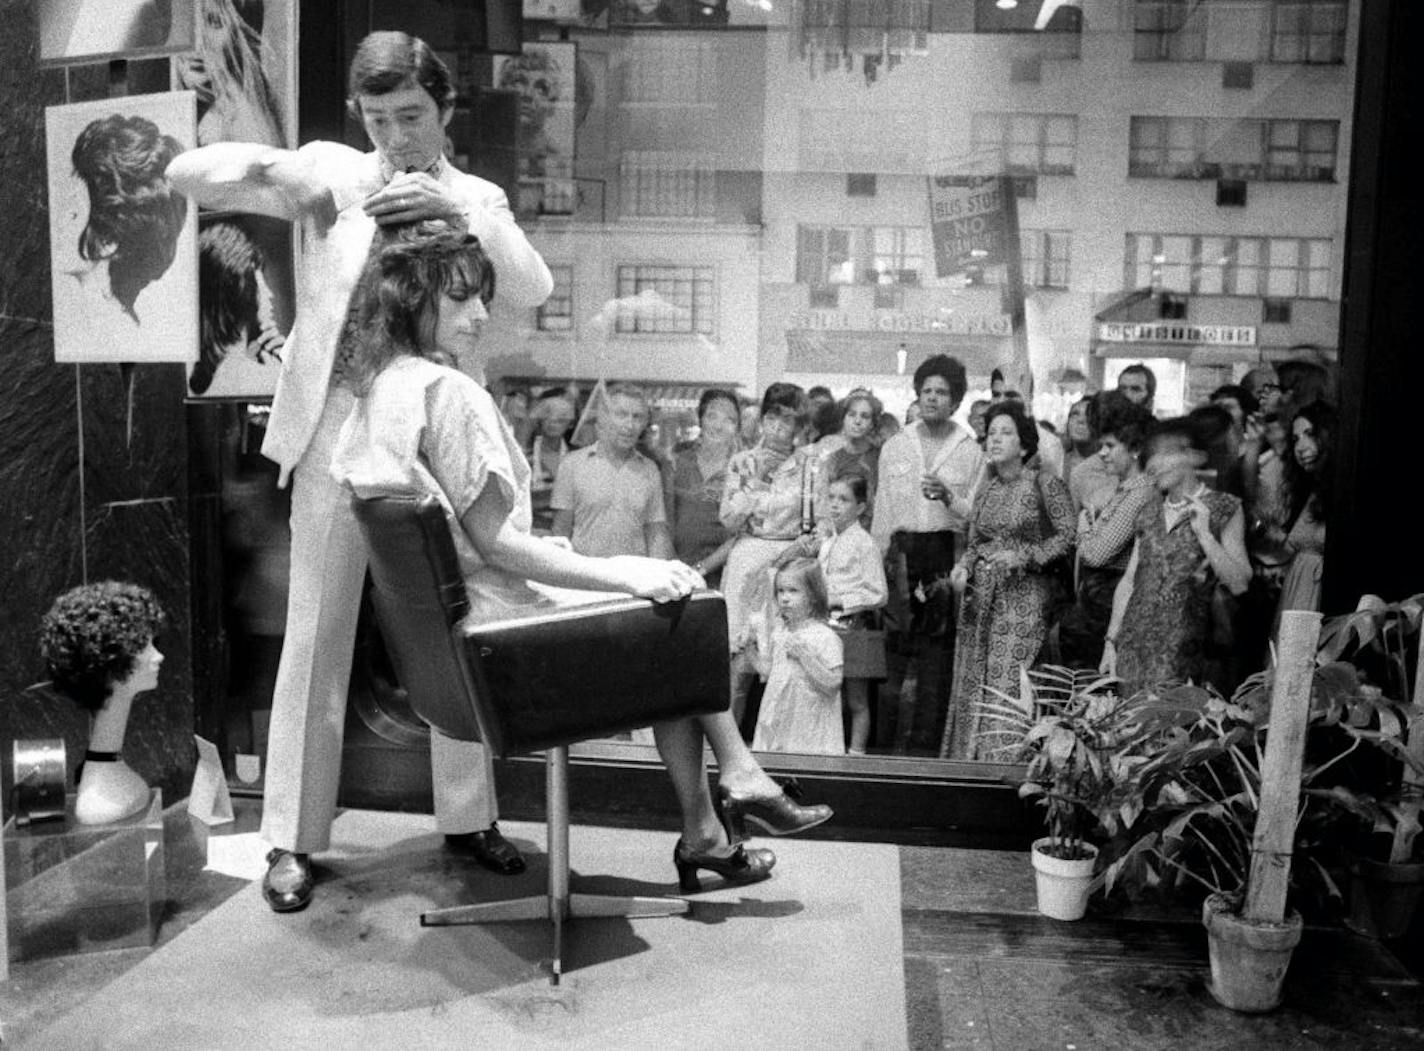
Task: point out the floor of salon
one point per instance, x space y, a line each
981 968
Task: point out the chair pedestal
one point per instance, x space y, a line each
558 904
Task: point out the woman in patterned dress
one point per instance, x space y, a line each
1189 540
1021 524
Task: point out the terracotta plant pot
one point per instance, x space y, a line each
1383 897
1062 884
1249 958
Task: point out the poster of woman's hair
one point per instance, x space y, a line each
74 31
123 245
243 72
543 75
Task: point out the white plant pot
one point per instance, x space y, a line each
1062 885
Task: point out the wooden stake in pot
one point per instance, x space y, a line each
1280 771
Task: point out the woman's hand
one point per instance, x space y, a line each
654 578
959 578
1007 559
1108 665
1199 515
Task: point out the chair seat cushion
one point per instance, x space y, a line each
559 676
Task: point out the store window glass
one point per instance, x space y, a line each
829 192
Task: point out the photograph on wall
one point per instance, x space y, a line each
681 14
75 31
123 242
543 76
243 71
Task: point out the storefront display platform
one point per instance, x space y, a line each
75 888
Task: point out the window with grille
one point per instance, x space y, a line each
823 256
1045 255
556 314
1276 267
674 300
1208 148
1029 143
897 255
668 185
1305 31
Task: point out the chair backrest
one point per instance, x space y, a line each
545 677
419 597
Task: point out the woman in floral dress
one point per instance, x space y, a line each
1189 540
1021 525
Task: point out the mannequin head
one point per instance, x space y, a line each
94 636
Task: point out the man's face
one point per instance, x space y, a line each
935 402
621 423
996 390
405 126
1133 385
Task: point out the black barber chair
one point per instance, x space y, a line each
535 683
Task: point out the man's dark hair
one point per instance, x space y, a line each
386 60
1146 373
947 368
712 394
819 391
1240 395
785 396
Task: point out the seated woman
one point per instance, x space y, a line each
419 425
1188 540
97 645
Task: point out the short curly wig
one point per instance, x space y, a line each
91 635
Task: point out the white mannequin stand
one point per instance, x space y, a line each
109 790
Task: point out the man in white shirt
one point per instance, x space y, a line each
922 509
404 97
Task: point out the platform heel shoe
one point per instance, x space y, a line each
742 866
777 815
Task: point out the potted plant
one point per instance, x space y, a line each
1081 742
1381 703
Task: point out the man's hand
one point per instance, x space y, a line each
411 197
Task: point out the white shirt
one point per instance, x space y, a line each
900 506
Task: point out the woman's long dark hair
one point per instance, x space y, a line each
1313 488
135 216
410 269
228 262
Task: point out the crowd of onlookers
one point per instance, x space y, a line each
883 576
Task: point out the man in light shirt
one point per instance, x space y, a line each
921 512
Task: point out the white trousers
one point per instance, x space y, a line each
328 567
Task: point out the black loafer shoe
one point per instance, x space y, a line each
289 881
490 849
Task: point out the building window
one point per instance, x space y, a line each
556 314
860 184
1206 148
1278 267
1276 311
676 300
1029 143
1308 31
667 185
1045 257
823 256
897 255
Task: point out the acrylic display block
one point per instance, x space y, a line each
76 888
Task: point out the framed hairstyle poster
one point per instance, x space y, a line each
542 75
243 70
75 31
123 244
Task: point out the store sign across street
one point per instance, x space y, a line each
1176 332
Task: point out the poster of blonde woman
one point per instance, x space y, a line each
123 247
543 76
243 72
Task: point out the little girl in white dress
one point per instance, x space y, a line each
801 708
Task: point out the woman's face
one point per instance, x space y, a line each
1172 464
859 420
458 323
778 430
1306 444
719 422
556 418
145 670
793 605
1116 457
1001 444
844 508
1078 429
